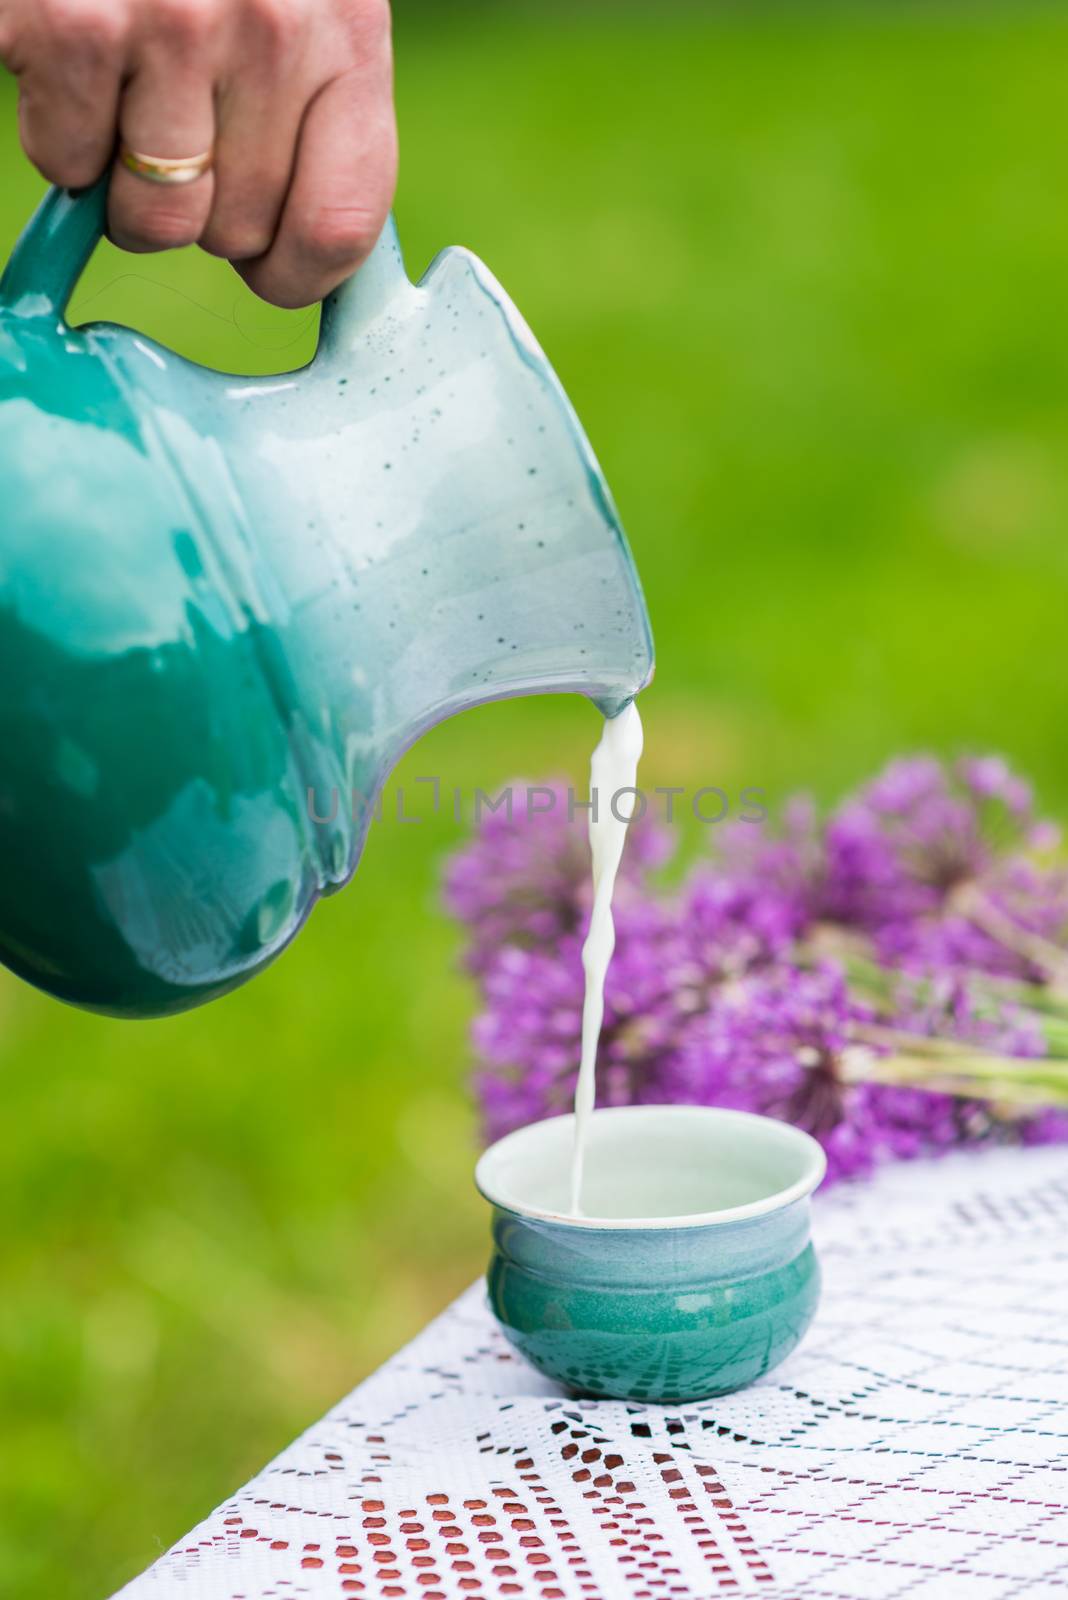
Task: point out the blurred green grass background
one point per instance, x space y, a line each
803 271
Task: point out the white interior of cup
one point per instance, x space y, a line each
654 1167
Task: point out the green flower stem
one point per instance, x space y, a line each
973 1075
881 988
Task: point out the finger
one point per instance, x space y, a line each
258 114
69 89
166 112
341 191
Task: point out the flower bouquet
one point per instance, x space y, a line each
891 977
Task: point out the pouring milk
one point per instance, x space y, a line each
613 777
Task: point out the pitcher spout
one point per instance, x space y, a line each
456 540
484 512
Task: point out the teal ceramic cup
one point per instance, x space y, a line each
692 1271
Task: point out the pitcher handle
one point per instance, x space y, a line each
55 246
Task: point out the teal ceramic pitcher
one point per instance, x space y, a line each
227 606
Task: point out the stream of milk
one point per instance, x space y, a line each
613 779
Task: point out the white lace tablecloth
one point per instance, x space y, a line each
915 1445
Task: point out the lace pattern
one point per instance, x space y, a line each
914 1448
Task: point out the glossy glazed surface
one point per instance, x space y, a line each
693 1273
227 606
648 1316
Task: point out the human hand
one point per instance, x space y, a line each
294 97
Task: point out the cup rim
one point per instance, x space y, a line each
812 1177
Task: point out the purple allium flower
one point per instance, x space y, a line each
790 1043
782 863
529 1034
525 877
1010 922
929 878
734 923
776 1043
930 862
